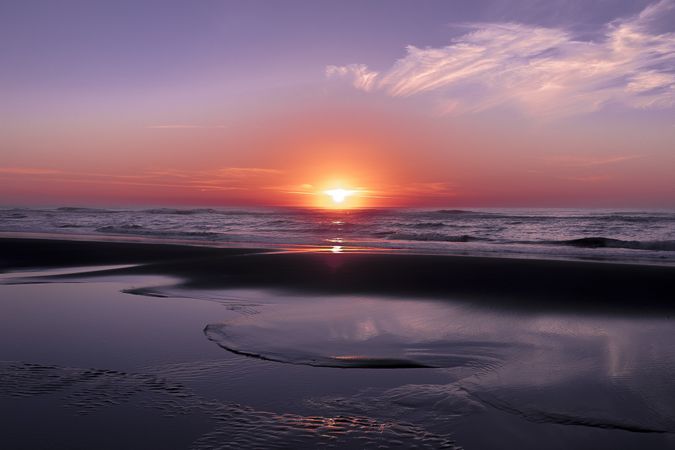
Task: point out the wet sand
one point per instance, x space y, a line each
246 348
516 283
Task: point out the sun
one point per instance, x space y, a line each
339 195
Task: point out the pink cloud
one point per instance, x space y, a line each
543 71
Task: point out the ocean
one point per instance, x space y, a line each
611 235
356 331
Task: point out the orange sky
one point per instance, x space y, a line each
291 154
244 103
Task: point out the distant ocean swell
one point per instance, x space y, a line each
608 235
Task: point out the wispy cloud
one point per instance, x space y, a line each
246 171
362 77
587 178
431 189
219 179
544 71
582 161
28 171
435 188
182 126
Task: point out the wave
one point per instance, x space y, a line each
457 212
429 225
80 209
604 242
70 225
613 217
182 212
630 218
197 211
14 215
467 214
282 222
139 230
119 228
434 237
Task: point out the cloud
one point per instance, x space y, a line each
588 178
415 189
238 172
28 171
217 174
362 77
582 161
543 71
182 127
222 179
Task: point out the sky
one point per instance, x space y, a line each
542 103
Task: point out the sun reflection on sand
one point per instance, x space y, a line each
339 425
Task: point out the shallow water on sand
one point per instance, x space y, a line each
246 368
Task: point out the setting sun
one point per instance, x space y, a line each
339 195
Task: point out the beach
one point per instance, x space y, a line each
337 224
150 345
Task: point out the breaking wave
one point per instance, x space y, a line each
437 237
141 231
603 242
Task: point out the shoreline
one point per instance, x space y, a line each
329 247
524 284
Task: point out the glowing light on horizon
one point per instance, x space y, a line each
339 195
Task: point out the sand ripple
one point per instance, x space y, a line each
234 426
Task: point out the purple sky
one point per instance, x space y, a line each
83 83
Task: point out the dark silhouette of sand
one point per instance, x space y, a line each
496 282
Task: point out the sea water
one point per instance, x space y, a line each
638 236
